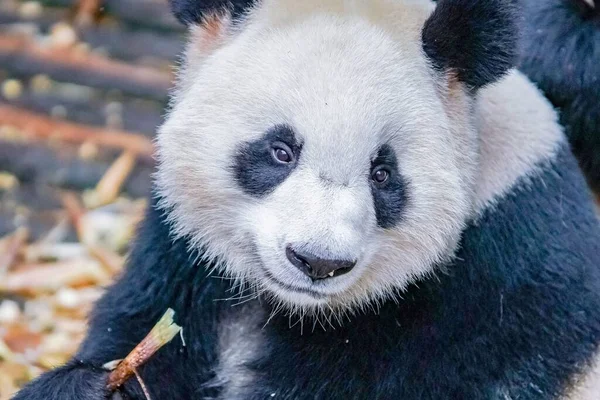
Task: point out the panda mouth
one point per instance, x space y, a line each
291 288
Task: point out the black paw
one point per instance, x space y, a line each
72 382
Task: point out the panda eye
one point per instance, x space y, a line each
281 153
380 175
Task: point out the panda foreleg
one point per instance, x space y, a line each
74 381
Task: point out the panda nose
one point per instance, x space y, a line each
318 268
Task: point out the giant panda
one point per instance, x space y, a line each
560 52
355 200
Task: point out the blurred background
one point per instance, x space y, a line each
83 86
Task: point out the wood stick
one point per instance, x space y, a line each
110 185
10 252
119 41
88 12
91 109
33 163
11 15
41 127
154 13
18 53
75 211
162 333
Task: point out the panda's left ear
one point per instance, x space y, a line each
474 39
190 12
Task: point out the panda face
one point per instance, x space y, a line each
319 157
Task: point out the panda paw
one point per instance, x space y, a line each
72 382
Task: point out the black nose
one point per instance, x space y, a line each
318 268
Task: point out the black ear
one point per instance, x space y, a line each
193 11
475 39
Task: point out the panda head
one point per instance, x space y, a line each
323 151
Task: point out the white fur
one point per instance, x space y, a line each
241 342
348 78
519 130
587 387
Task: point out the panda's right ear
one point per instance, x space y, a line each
190 12
476 40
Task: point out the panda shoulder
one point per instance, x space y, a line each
519 133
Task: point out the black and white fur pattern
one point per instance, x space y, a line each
327 204
477 265
560 52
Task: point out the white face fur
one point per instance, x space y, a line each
346 82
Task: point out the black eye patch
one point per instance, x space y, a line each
390 200
255 168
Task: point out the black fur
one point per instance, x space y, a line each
192 11
255 169
514 316
391 199
560 51
76 380
474 39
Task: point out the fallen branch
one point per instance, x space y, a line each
109 259
118 41
35 162
30 205
43 277
112 182
13 246
154 13
43 20
88 107
18 53
162 333
88 12
42 127
75 211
